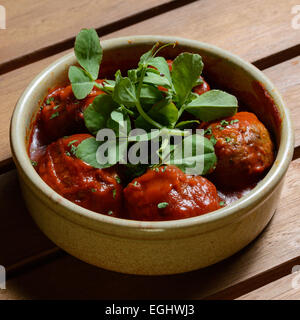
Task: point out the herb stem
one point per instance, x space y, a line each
138 104
180 111
127 110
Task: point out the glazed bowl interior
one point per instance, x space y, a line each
224 70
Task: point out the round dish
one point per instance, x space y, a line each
156 248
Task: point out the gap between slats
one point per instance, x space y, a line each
255 282
104 30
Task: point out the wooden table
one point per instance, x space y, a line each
38 32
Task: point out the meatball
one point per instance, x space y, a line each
62 114
244 150
166 193
91 188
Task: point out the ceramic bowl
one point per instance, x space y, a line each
156 248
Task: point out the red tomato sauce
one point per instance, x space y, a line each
243 147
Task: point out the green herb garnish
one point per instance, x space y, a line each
71 142
93 190
213 140
73 149
114 193
48 101
234 121
118 179
34 163
224 123
54 115
162 205
88 52
208 131
222 203
136 98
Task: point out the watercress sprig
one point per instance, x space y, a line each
88 52
150 96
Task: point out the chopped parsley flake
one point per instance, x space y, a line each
227 139
234 121
135 183
224 123
71 142
164 169
68 153
156 169
208 131
48 101
34 163
110 213
118 179
56 107
162 205
114 193
222 203
213 140
93 190
73 149
54 115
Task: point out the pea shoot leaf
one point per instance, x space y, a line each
186 124
86 151
196 155
213 104
82 84
164 112
150 95
186 69
162 66
88 51
146 57
124 92
119 121
156 79
97 114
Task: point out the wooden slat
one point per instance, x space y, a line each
277 248
286 77
286 288
35 25
253 29
19 236
267 25
13 83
